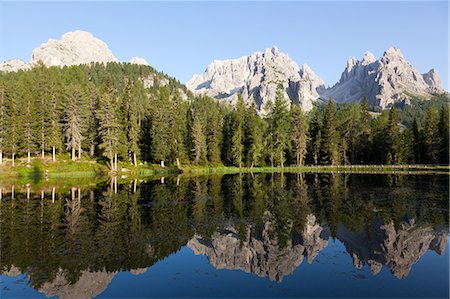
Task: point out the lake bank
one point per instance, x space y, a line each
39 169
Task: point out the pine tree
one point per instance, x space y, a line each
444 134
108 127
74 118
330 136
431 133
365 136
416 142
198 137
54 126
315 136
278 128
299 134
3 121
28 119
394 139
161 129
132 128
254 128
237 140
13 111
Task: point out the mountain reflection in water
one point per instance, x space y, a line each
71 243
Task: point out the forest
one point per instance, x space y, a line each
132 113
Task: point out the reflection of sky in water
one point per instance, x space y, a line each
232 236
330 275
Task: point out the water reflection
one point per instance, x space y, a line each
72 241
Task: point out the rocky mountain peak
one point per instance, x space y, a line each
138 60
368 58
77 47
257 77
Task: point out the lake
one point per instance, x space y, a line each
260 235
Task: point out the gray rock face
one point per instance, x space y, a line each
384 81
397 248
89 285
78 47
14 65
256 77
261 255
138 60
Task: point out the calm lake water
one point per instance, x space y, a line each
261 235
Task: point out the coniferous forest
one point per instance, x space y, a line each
107 113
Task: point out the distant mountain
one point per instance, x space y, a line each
256 77
74 48
385 81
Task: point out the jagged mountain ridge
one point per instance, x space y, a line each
73 48
256 78
384 81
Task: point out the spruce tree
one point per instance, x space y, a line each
237 139
444 134
254 130
199 148
74 118
28 119
108 127
330 136
3 121
132 128
299 134
432 137
394 139
278 128
416 142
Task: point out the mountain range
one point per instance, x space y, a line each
384 81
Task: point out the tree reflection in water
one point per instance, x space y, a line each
72 243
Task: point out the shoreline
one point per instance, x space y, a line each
40 169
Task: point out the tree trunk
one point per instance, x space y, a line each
73 153
79 152
251 165
53 195
281 159
1 158
29 157
91 150
178 162
12 158
134 159
115 162
162 163
42 154
53 154
112 164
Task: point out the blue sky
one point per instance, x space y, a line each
182 38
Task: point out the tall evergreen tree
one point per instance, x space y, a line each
237 139
394 139
432 137
74 118
254 129
108 126
132 128
315 135
330 136
444 134
28 119
416 142
278 128
198 137
299 134
3 121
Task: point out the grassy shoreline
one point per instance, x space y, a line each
65 168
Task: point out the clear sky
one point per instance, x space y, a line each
182 38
